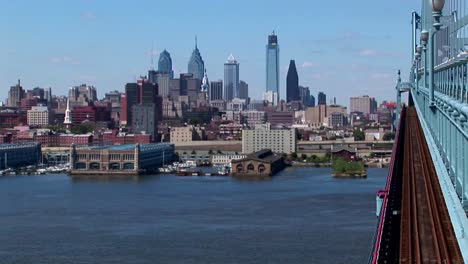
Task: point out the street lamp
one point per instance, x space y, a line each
424 38
437 6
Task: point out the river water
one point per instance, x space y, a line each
302 215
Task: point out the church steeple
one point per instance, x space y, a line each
68 118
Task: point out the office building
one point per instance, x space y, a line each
165 64
196 65
364 104
231 78
216 90
292 83
321 98
263 137
145 120
132 97
272 65
39 116
15 95
82 95
243 90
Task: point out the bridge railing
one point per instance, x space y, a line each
439 76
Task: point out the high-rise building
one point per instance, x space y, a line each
149 92
145 119
216 90
205 87
321 99
82 95
304 96
231 78
292 83
132 97
363 104
15 95
312 101
165 63
48 94
243 90
272 64
196 66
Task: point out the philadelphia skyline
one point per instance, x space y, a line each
60 44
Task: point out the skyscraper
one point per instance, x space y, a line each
196 66
231 78
243 90
272 65
321 99
292 83
15 95
165 63
216 90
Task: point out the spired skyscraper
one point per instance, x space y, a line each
272 68
196 66
231 79
165 64
292 83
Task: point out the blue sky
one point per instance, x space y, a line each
341 47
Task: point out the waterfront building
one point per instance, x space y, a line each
364 104
15 95
243 90
231 78
39 116
260 163
226 159
165 64
292 83
272 66
14 155
321 98
121 160
216 90
263 136
196 65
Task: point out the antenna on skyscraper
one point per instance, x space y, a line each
196 42
152 56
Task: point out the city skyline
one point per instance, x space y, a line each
354 52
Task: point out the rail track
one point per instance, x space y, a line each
426 233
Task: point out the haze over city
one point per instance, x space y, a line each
61 44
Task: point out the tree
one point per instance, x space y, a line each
210 152
389 136
294 155
194 152
359 135
303 156
82 128
219 152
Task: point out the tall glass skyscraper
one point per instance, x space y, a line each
165 63
231 78
272 64
196 66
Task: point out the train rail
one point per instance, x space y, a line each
426 233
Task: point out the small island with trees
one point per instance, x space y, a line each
345 164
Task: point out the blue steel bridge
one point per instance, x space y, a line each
424 206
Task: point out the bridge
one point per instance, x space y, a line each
424 206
